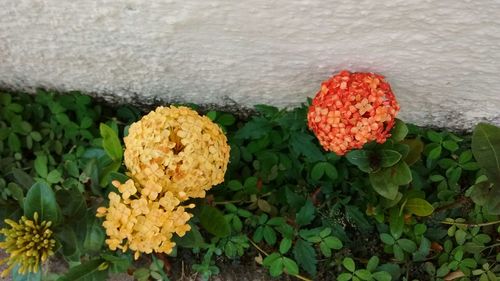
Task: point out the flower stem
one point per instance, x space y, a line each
471 224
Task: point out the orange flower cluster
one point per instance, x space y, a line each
352 109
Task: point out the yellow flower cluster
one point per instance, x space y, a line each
172 154
29 243
135 222
175 149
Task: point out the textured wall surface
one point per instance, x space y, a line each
441 57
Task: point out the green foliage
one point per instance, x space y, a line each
422 206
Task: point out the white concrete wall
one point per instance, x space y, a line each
441 57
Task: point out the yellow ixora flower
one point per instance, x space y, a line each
141 224
174 149
29 244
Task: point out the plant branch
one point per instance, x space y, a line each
471 224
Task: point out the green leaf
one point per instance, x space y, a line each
226 119
54 177
306 214
363 274
389 158
344 277
72 203
400 174
254 129
22 178
269 235
305 255
434 136
435 153
396 222
95 236
333 242
416 146
398 252
399 131
372 263
41 165
276 267
407 245
450 145
302 144
486 150
360 158
14 143
111 143
285 245
213 221
317 171
291 266
41 199
419 207
387 239
212 115
82 271
349 264
382 183
69 243
382 276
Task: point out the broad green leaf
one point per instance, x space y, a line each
396 223
72 203
41 199
306 214
67 237
317 171
382 183
399 131
22 178
419 207
400 174
389 157
111 142
360 158
486 150
213 221
82 271
344 277
95 236
416 146
305 255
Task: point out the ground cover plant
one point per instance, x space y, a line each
416 204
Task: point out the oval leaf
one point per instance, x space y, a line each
419 207
41 199
213 221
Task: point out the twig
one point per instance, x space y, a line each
471 224
266 254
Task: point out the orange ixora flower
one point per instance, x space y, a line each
174 149
352 109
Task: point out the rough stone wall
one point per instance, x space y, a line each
441 57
